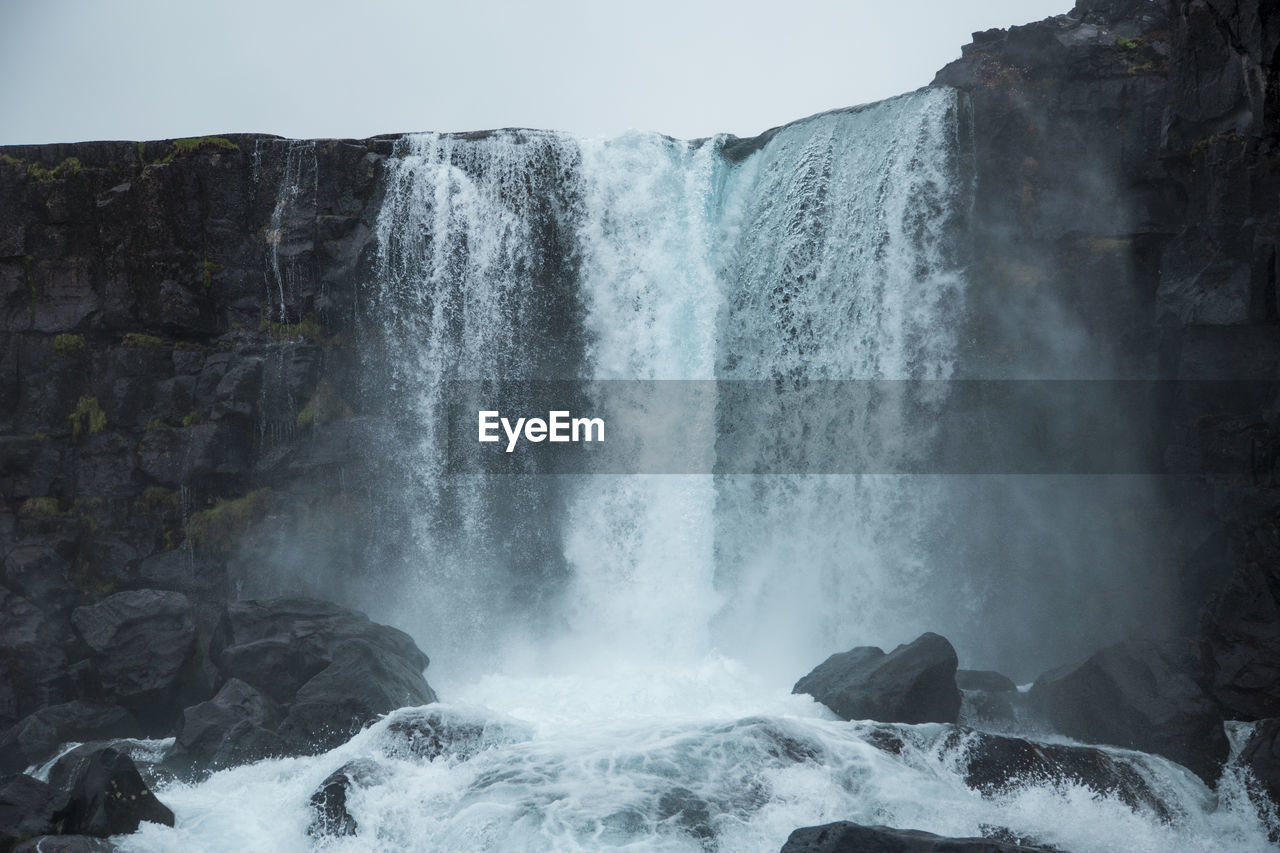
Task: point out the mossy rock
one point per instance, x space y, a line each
223 524
87 417
70 346
137 340
39 508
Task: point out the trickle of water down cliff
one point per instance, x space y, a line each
626 643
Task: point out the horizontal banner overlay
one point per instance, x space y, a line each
791 426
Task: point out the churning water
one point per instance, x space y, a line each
627 643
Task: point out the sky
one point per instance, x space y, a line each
74 70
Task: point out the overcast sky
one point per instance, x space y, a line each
150 69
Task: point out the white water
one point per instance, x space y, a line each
646 705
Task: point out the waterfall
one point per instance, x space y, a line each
634 637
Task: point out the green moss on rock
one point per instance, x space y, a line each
69 345
137 340
222 525
87 417
39 508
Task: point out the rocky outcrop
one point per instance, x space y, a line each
177 366
108 797
846 837
27 808
271 678
1261 757
97 793
1138 695
995 765
915 683
331 669
37 737
236 726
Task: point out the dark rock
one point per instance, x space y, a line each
65 844
1138 695
363 682
915 683
846 837
994 765
27 808
435 732
36 738
234 727
982 679
108 797
1261 756
143 643
334 669
329 815
32 663
1243 634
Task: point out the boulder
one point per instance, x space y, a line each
143 644
37 737
984 679
1261 756
846 837
1138 695
234 727
331 669
108 797
329 815
440 732
363 682
915 683
27 808
1243 635
33 667
995 764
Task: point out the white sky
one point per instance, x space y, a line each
149 69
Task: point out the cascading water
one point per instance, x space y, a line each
626 643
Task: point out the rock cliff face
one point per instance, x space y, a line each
1127 180
182 331
178 341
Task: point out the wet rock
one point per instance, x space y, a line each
439 731
915 683
32 662
234 727
27 808
1138 695
1261 756
143 645
360 684
36 738
332 669
846 837
108 797
329 815
982 679
1243 634
994 764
